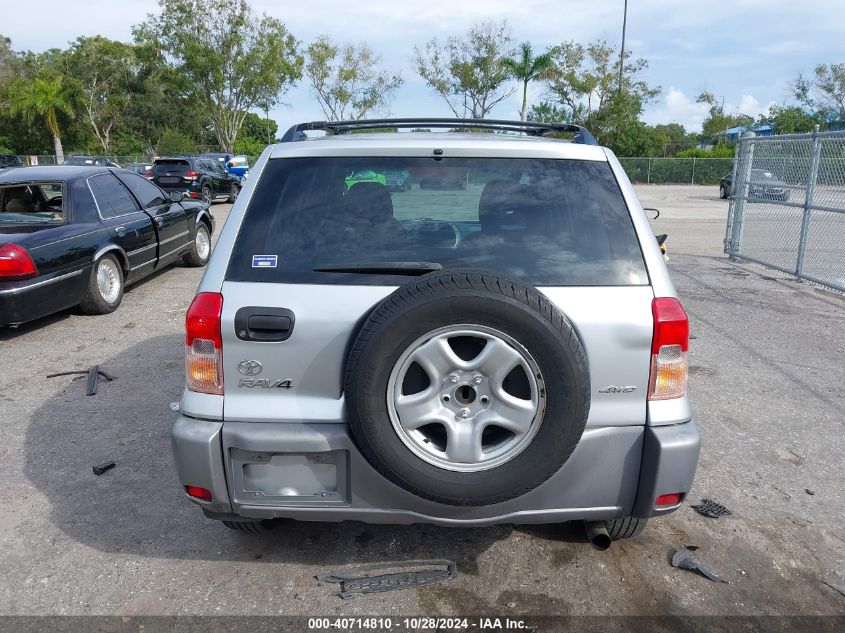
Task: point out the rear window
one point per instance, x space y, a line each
171 165
548 222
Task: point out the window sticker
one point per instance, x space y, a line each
265 261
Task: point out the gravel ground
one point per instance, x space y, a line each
766 384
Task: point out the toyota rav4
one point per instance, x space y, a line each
510 352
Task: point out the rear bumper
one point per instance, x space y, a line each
314 472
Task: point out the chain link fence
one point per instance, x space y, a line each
676 171
787 207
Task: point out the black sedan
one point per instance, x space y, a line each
78 235
763 185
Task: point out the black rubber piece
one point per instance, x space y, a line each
266 525
625 528
101 468
712 509
483 298
93 374
359 580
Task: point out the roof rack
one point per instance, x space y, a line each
531 128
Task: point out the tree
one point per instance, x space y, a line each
586 78
825 92
230 59
7 61
717 122
104 70
789 120
254 134
44 97
346 80
526 68
467 71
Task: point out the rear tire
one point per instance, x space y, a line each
207 196
105 287
628 527
236 190
201 247
723 193
267 525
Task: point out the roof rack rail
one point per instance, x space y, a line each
531 128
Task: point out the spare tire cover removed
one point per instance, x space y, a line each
467 388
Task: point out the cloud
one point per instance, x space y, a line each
677 107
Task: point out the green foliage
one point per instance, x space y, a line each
173 141
790 120
717 121
720 151
824 93
225 55
45 98
346 80
526 67
467 71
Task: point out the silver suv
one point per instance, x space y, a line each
497 342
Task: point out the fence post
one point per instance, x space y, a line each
648 176
692 180
812 176
741 176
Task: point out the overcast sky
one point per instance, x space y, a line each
747 51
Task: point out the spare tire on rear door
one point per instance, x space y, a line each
467 388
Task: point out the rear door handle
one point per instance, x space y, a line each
267 325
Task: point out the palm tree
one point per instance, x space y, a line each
46 98
526 68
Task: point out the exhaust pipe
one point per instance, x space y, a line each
597 533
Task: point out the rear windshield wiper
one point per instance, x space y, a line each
386 268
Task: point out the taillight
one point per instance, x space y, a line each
203 494
191 175
16 264
148 174
204 344
669 349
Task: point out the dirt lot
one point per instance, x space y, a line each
767 388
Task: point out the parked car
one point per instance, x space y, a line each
71 236
344 362
10 160
143 169
89 161
397 179
763 185
238 166
197 177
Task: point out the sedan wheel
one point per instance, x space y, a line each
206 195
723 192
105 287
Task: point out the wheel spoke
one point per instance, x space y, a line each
437 359
497 359
419 409
514 414
463 442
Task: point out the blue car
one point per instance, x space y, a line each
235 165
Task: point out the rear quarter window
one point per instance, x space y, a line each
548 222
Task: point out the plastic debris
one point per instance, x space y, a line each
712 509
174 406
809 492
101 468
404 576
685 559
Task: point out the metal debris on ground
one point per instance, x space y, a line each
101 468
685 559
404 575
712 509
93 373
